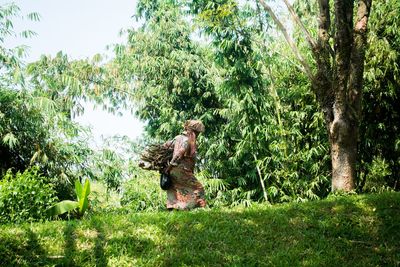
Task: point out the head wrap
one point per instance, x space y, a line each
192 127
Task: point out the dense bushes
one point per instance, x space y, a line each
35 125
143 192
265 136
32 131
17 123
379 147
25 196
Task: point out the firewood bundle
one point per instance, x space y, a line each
156 157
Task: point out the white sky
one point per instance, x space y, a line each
81 29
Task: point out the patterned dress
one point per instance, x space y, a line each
186 191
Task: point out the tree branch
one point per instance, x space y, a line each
358 55
288 38
322 84
296 18
324 26
343 43
261 179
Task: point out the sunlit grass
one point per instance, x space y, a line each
346 231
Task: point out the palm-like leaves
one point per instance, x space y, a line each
79 207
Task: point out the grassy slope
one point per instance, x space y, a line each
347 231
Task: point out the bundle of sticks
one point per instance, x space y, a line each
156 157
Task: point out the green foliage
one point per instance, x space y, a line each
35 122
62 207
102 200
380 131
219 194
376 179
32 132
115 161
79 207
265 127
71 82
17 122
379 156
217 61
270 131
82 193
344 231
25 196
12 69
110 165
37 110
171 74
143 193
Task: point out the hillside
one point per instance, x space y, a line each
345 231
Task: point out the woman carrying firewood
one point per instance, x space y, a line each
185 192
175 160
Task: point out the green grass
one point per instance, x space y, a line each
347 231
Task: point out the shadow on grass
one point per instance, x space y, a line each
100 258
340 233
74 256
22 249
79 243
87 243
387 214
349 231
69 244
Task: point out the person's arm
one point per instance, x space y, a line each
169 143
180 149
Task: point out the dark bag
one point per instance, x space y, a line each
165 181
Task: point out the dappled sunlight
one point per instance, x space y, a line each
290 123
87 233
320 233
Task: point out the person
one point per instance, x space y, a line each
186 192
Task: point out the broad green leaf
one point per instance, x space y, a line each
78 189
83 201
62 207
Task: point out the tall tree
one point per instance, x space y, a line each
255 143
338 78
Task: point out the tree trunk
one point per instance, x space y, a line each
343 142
350 45
338 80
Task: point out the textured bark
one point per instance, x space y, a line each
323 54
338 79
358 57
343 140
350 44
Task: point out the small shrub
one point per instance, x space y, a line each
376 180
220 194
79 207
143 193
25 196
